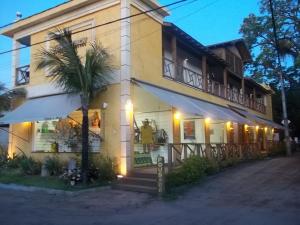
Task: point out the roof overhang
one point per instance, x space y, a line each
191 42
241 46
63 9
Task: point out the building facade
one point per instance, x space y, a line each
167 88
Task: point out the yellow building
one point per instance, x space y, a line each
188 93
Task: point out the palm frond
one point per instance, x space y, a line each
66 66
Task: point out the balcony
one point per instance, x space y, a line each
22 75
193 79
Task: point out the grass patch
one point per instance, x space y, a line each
15 176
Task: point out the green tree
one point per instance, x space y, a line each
85 76
257 30
7 96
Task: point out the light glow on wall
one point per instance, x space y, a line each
207 120
256 128
246 127
177 115
129 106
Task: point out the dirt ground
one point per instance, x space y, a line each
263 192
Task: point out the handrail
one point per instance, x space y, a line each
194 79
179 152
22 75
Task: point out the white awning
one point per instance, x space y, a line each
43 108
257 119
194 106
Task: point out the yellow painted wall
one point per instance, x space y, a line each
109 36
111 145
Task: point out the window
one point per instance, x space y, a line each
64 135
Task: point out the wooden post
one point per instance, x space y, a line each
204 73
174 56
160 175
225 81
170 158
207 139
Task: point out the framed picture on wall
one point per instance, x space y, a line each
189 129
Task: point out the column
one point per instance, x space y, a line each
204 72
125 96
225 80
207 138
15 61
174 57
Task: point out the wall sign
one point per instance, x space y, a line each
189 129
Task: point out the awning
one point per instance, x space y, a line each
43 108
194 106
257 119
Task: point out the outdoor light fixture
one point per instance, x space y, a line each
257 127
129 106
207 120
119 176
177 115
266 129
246 127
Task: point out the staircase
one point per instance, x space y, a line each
138 181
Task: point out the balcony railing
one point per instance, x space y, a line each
22 75
189 77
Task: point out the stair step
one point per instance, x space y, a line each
136 188
138 181
143 175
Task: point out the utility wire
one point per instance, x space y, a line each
100 25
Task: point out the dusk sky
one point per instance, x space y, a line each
209 21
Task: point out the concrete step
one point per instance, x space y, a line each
143 175
135 188
150 182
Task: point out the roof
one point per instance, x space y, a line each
262 87
58 10
240 44
186 38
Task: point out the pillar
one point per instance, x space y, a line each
204 72
15 61
225 80
125 95
174 57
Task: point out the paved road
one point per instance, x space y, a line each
264 192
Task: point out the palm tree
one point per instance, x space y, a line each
75 74
7 96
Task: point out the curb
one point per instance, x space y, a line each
17 187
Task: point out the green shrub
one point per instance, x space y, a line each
54 166
102 167
3 157
212 167
29 166
278 150
191 171
15 161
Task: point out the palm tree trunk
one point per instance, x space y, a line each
85 143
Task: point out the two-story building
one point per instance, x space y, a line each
168 88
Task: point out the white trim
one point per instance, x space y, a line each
143 7
66 18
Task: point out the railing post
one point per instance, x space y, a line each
170 157
160 175
184 151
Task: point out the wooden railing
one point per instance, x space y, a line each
22 75
191 78
177 153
